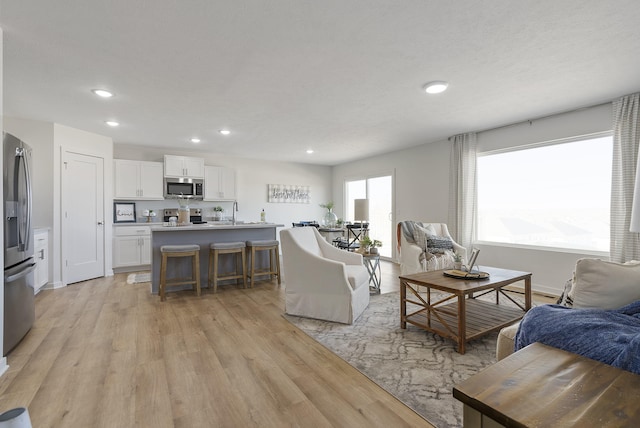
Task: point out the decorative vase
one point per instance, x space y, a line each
373 250
329 220
183 215
457 265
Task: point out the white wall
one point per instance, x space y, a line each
422 187
252 178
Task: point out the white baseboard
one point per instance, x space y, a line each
3 365
52 285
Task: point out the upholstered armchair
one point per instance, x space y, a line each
415 255
322 281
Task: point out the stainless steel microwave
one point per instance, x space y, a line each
192 188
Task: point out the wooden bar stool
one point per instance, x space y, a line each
192 251
215 251
274 256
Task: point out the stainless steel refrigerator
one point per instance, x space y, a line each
19 264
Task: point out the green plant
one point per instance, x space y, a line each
366 242
218 209
328 205
457 258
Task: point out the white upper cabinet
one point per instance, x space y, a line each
219 183
183 166
137 180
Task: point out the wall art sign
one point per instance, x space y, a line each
124 212
289 194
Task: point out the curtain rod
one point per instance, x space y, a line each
530 121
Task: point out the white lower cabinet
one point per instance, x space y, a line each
41 256
131 246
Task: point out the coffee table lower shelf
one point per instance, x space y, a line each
481 318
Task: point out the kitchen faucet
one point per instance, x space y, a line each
234 210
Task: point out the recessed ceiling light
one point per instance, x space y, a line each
435 87
224 132
195 140
309 151
102 93
112 123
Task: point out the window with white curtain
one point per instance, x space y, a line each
555 194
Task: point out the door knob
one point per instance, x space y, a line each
100 223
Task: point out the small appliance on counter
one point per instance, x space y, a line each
195 215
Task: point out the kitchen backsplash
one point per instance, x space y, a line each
206 207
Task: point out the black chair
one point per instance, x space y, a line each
354 233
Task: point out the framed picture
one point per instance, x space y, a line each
124 212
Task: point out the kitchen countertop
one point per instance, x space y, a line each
213 225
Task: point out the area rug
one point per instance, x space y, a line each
136 278
417 367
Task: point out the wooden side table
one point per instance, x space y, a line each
542 386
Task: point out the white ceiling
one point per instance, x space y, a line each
343 77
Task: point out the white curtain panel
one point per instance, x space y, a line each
463 195
625 245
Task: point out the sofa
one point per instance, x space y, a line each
322 281
601 295
426 246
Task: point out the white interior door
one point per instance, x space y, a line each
82 217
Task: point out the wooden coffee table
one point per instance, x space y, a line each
460 315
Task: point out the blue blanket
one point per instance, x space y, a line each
609 336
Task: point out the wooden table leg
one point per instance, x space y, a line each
462 323
527 293
403 304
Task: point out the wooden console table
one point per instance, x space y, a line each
542 386
460 315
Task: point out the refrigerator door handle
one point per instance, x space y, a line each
24 272
23 233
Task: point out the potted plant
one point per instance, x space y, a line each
217 212
457 261
369 246
375 244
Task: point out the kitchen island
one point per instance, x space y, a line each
204 235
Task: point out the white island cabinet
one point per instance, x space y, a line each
131 246
138 180
203 235
219 183
183 166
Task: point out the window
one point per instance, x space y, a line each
550 195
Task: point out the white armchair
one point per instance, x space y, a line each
411 254
322 281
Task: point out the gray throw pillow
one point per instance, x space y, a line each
438 244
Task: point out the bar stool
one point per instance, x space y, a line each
274 268
215 251
192 251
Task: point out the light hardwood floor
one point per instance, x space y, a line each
104 353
